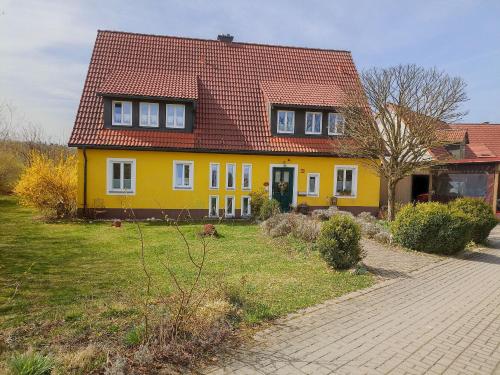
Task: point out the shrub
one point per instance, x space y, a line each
383 237
49 185
270 207
10 169
338 242
298 225
209 230
257 198
480 215
134 336
431 227
30 363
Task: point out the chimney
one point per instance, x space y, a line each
227 38
486 122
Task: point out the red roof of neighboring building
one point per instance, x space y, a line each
452 135
234 84
484 139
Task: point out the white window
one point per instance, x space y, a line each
335 124
246 177
148 114
231 176
122 113
314 122
213 206
121 176
229 209
213 178
313 184
286 122
246 209
183 175
176 114
345 183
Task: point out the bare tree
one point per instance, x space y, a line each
395 120
6 120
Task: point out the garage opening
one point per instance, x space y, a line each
420 188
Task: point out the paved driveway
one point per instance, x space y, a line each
442 318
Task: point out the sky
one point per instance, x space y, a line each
45 45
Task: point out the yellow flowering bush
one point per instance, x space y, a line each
49 185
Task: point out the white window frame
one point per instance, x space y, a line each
175 117
149 124
314 114
243 187
337 116
354 191
210 205
243 214
234 176
113 122
109 176
210 176
286 118
233 211
191 174
314 193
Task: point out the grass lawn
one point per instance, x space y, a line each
71 282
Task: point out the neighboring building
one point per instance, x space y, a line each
167 124
469 167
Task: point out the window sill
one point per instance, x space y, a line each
120 192
116 124
175 127
309 133
150 126
314 195
345 196
183 188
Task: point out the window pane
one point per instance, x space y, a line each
179 116
115 183
331 123
214 179
144 113
230 176
309 122
127 170
348 182
118 113
186 174
246 206
317 123
178 174
246 176
170 115
312 184
340 180
229 206
213 206
127 113
286 176
289 121
281 120
340 123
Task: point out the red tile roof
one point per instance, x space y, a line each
484 139
150 83
452 135
231 113
307 94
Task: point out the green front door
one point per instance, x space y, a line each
283 187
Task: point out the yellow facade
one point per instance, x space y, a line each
154 179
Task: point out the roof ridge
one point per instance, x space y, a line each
216 41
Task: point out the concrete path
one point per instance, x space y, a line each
441 319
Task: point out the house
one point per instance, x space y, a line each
168 125
468 166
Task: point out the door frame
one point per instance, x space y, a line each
295 180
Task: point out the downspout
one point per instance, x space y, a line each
85 182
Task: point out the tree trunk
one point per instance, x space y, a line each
391 199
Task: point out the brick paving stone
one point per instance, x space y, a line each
429 314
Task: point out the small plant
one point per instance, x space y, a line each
30 363
479 214
326 214
300 226
134 336
209 230
269 208
257 198
338 242
432 228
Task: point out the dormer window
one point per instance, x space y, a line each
176 116
314 122
148 114
286 122
122 113
335 124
